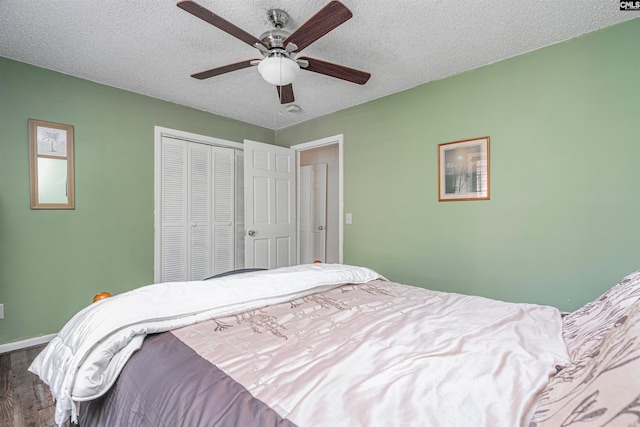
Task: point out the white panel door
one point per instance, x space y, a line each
270 221
313 213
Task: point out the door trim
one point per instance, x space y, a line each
331 140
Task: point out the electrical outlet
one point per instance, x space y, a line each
1 311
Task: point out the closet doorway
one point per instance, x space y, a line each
199 206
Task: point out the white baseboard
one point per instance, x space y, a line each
11 346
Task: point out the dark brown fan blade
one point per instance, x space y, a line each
328 18
337 71
224 69
285 94
206 15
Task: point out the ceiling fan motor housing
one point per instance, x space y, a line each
274 39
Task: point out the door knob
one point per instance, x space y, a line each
320 227
251 233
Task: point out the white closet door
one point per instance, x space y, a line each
199 208
173 195
239 204
223 160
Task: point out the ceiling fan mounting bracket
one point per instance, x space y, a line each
278 18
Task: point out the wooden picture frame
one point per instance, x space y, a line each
463 170
51 165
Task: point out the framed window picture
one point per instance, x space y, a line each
51 165
463 170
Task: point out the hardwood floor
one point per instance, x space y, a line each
25 401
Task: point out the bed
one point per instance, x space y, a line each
339 345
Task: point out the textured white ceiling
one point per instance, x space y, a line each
152 47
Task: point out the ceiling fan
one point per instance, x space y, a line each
279 65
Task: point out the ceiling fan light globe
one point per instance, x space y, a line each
278 70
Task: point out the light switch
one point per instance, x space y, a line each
349 218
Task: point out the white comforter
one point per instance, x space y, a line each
86 356
384 354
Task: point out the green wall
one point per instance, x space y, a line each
53 262
562 224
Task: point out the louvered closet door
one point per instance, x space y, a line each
239 204
199 208
223 209
198 211
174 213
